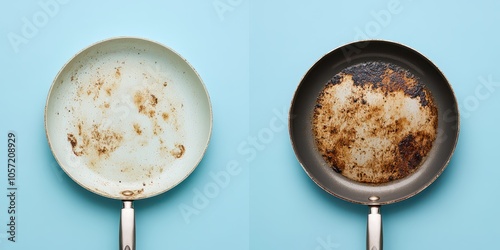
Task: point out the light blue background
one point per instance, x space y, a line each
251 57
288 211
54 212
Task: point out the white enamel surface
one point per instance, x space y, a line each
128 118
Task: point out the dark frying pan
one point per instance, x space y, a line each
390 70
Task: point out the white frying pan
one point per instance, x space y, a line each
128 119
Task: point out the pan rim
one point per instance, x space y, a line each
195 161
297 150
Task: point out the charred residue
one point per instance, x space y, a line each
374 122
387 76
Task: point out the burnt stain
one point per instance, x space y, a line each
74 143
164 115
335 80
94 141
141 108
118 72
365 129
104 141
132 193
80 129
387 76
146 103
153 100
137 129
127 193
178 151
138 99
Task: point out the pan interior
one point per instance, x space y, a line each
128 118
305 100
374 122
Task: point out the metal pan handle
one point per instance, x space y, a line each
374 229
127 226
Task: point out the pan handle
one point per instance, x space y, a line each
374 229
127 226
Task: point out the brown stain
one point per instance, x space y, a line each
164 115
127 193
138 99
94 141
80 129
118 73
74 143
178 151
137 129
153 100
364 128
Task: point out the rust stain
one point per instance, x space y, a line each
374 122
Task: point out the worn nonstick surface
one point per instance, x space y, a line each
305 100
328 125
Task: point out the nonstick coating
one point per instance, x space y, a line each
302 108
128 118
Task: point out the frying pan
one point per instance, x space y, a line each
373 195
128 118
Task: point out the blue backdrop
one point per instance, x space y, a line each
251 56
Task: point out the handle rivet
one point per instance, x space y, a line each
374 198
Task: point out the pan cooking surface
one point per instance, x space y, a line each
374 122
128 118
